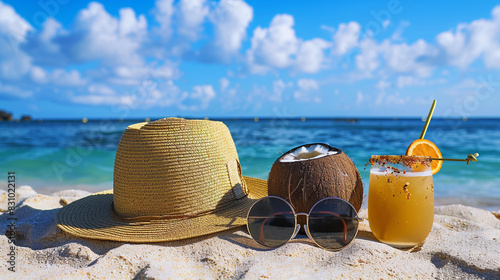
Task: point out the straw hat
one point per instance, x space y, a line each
173 179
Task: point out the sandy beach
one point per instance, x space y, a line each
464 243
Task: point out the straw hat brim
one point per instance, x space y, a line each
92 217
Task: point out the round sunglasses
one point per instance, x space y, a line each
332 223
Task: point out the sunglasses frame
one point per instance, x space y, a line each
306 226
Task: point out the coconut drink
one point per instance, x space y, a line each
309 173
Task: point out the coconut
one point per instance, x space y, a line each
309 173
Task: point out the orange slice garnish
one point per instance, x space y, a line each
424 147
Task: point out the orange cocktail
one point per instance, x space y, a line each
401 199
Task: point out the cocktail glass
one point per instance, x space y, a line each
401 199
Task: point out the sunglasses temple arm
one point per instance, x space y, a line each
343 222
261 235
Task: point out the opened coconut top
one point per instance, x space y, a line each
308 152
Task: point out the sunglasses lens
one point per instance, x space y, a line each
271 222
333 223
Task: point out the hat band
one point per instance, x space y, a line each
171 216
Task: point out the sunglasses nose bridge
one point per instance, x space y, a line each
302 214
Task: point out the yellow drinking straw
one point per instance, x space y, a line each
428 120
470 157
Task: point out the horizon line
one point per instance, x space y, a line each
254 118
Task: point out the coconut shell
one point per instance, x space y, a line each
305 182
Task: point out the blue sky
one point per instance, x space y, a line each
230 58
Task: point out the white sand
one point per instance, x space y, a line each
464 244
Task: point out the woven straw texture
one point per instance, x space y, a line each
173 179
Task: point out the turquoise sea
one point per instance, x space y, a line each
62 154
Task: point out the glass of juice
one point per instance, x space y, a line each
401 199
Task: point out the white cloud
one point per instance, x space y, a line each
468 87
278 47
14 31
144 96
59 77
228 97
12 26
469 84
359 97
14 66
307 84
310 56
164 9
192 14
46 47
98 35
126 75
278 87
471 40
346 37
400 57
391 99
404 58
129 25
397 99
383 84
198 99
380 98
306 89
368 60
153 94
257 95
398 34
166 71
13 91
274 46
454 46
231 19
38 75
404 81
224 84
261 93
328 28
386 23
50 30
461 47
135 75
101 89
62 77
96 99
130 72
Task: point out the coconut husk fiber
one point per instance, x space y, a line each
305 182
